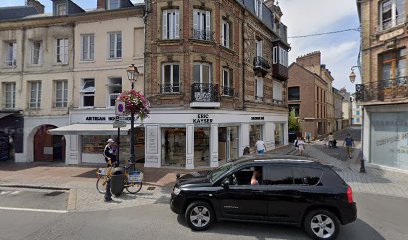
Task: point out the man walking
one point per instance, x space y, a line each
260 147
348 141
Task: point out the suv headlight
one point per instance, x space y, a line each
176 190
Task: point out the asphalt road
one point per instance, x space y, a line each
380 217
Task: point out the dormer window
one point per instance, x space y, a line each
113 4
61 9
258 8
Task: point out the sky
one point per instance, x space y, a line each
303 17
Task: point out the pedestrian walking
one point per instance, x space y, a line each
349 142
301 145
331 139
260 147
296 144
110 158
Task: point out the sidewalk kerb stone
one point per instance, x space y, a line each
72 198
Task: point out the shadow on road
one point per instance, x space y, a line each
262 231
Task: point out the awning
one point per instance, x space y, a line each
89 129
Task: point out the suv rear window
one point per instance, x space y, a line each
307 175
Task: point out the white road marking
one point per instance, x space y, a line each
15 192
33 210
3 193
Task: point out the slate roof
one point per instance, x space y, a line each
17 12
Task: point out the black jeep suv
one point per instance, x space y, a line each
300 192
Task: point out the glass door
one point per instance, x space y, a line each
201 146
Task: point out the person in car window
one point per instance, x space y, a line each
256 176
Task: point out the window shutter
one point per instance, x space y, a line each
208 24
195 19
228 35
14 58
164 24
176 25
256 7
40 53
222 33
91 47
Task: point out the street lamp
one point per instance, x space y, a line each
133 73
352 79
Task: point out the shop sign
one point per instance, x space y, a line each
104 119
260 118
202 119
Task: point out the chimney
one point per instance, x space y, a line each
36 4
311 61
101 4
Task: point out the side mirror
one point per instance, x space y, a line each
225 183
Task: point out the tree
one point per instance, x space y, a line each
293 122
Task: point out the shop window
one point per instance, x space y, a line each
255 133
201 146
114 89
61 93
293 93
174 147
94 143
171 28
170 78
279 134
35 94
88 92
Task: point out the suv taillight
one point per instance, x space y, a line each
349 194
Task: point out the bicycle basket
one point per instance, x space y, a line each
135 177
102 171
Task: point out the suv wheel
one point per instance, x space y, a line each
199 216
321 224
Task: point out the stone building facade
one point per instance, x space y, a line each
310 93
215 72
383 91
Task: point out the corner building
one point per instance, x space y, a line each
215 73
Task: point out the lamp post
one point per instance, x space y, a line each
352 79
133 73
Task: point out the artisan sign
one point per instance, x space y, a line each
110 118
257 118
203 118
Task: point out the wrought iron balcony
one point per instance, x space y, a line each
169 88
227 91
204 95
261 66
203 35
382 90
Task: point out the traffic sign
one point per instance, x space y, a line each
119 124
120 108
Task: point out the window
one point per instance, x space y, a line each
61 93
277 175
9 95
275 55
36 52
258 8
293 93
296 108
307 176
170 78
277 91
202 73
280 55
88 47
115 45
392 66
358 113
62 50
11 54
259 88
202 25
225 34
392 13
88 92
171 23
61 9
227 84
113 4
35 94
258 48
255 133
114 89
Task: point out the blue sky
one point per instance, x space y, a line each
339 51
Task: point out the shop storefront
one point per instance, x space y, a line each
11 135
279 136
188 139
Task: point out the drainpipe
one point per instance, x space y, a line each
22 60
243 58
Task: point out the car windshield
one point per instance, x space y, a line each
216 173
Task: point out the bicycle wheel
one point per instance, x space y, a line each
134 187
101 184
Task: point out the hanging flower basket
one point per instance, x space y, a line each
136 103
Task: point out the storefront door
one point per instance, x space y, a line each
48 147
174 147
228 139
202 146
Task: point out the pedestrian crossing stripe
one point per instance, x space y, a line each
9 192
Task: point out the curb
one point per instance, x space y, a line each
72 199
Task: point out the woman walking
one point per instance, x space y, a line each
301 145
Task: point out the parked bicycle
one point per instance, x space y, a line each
133 179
